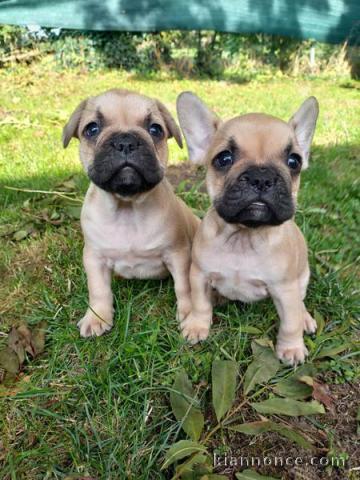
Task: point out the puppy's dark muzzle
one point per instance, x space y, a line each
126 144
261 180
259 196
125 164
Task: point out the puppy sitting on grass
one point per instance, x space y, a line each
248 246
133 224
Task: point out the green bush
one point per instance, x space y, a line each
189 53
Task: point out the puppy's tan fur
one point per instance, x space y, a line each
243 263
147 235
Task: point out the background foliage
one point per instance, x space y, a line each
187 53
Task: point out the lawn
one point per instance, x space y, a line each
100 408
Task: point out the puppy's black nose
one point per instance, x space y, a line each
125 143
260 179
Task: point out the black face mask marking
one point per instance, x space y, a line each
259 196
125 164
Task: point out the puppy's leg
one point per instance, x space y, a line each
290 345
178 264
310 325
196 325
309 322
99 316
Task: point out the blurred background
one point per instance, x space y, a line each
239 57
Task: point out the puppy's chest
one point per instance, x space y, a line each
131 251
237 275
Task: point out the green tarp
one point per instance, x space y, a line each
324 20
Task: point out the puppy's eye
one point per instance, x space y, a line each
223 160
156 130
294 161
92 129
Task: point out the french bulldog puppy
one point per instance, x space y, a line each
248 246
133 223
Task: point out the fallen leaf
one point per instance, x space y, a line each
262 342
320 392
20 235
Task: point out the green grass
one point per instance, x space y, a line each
100 407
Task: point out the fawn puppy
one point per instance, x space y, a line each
133 223
248 246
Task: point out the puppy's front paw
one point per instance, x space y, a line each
194 329
183 310
94 324
309 323
291 354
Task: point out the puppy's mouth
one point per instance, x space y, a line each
257 214
126 181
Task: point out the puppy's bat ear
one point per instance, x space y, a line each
198 124
171 125
71 128
304 123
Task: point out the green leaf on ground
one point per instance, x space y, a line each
188 465
288 406
21 235
224 375
263 368
333 351
74 211
255 428
181 400
181 449
292 387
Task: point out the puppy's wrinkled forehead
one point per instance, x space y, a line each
121 108
257 135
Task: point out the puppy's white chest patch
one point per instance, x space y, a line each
235 276
129 250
